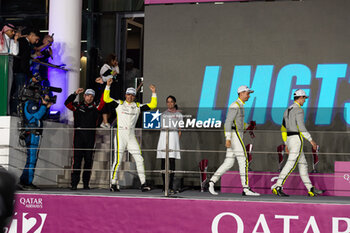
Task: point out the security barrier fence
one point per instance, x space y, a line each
202 152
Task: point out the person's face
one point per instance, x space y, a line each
302 100
88 98
115 62
129 98
170 103
10 33
244 96
33 38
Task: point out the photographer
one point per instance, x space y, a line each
34 112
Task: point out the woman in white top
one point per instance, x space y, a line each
170 119
109 70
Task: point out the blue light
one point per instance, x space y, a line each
290 78
329 73
208 96
281 98
257 105
58 78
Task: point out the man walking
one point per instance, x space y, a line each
293 131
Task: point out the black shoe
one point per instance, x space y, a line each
278 191
314 192
73 187
145 188
114 188
86 187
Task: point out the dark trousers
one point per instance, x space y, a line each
83 149
19 80
172 168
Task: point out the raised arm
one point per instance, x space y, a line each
107 92
102 103
69 103
153 103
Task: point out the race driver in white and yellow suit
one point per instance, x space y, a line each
128 112
293 131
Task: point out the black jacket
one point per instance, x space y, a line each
85 115
21 63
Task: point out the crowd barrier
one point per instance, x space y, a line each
203 161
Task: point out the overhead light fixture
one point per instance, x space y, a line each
129 29
44 30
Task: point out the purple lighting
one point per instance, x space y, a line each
58 78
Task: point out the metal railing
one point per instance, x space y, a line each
321 135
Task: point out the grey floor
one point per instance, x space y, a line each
193 194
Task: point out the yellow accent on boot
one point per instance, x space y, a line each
274 191
311 194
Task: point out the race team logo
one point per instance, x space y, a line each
151 120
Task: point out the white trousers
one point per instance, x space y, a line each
296 157
126 140
238 151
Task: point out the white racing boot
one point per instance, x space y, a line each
211 188
249 192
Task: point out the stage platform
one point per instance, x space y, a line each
192 195
99 210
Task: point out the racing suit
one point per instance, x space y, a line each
127 115
234 127
293 131
34 113
85 122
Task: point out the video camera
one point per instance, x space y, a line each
36 91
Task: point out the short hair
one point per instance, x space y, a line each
29 31
297 97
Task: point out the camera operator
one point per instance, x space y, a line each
34 112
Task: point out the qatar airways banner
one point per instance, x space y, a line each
65 213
